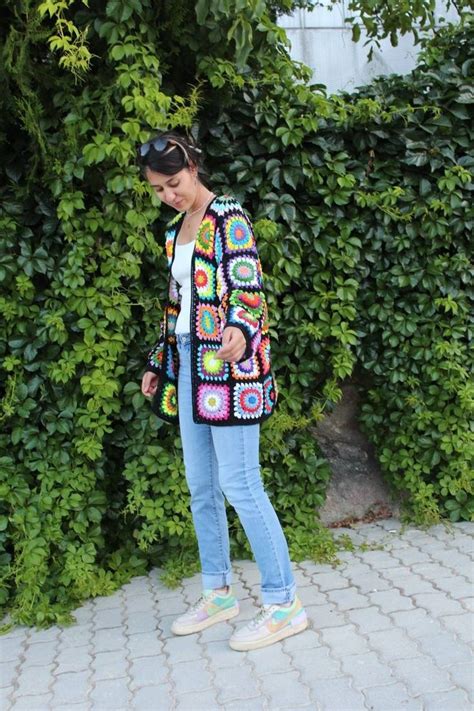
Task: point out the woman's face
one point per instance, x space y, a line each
178 190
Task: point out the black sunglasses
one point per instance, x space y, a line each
160 144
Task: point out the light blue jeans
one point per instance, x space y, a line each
224 461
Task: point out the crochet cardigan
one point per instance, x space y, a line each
227 290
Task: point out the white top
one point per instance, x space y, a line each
181 270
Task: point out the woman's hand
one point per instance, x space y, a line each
149 383
233 344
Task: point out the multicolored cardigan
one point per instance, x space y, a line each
227 290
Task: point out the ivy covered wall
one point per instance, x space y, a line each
363 212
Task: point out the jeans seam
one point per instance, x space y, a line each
259 509
214 507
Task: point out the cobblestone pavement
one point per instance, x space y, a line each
389 629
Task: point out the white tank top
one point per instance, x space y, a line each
181 270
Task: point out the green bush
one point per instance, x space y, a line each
415 295
363 244
373 196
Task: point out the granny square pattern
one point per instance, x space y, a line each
227 291
207 323
248 399
165 402
206 235
238 235
214 402
264 352
269 395
246 370
242 271
204 279
209 366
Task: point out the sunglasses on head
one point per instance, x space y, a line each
160 144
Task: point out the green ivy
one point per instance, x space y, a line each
362 208
416 294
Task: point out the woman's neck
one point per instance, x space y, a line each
203 196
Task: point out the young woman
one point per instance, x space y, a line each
210 372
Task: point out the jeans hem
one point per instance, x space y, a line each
278 596
216 580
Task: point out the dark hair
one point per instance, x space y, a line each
169 160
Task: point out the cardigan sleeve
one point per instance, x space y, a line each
155 355
245 298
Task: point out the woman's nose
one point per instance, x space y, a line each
169 196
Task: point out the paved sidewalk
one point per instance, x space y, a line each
389 629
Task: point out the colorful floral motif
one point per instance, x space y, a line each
204 279
169 400
243 317
169 245
170 368
264 350
213 402
218 247
223 206
221 283
248 400
238 235
269 395
173 291
207 323
243 272
246 369
251 301
155 357
205 237
210 367
172 318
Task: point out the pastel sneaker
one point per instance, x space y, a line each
273 623
212 607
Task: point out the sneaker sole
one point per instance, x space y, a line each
198 626
288 631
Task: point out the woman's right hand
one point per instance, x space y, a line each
149 383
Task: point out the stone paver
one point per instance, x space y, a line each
191 676
315 664
71 687
452 700
40 654
392 697
111 694
331 694
109 665
153 697
285 690
236 683
390 629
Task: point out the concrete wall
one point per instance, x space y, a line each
322 40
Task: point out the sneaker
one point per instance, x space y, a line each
273 622
211 607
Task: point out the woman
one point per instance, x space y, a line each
210 372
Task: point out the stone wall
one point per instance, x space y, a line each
357 486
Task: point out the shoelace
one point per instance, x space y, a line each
203 600
266 611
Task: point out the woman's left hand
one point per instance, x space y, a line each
233 344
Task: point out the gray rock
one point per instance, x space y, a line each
357 486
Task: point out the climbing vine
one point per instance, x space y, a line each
362 210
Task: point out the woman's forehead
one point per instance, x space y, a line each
158 180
